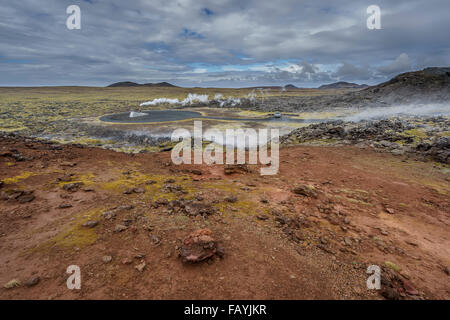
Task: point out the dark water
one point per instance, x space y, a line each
177 115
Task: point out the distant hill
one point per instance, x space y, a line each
134 84
343 85
290 86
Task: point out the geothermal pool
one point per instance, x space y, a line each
154 116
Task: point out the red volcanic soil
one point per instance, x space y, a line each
357 208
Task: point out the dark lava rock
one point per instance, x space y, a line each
32 281
197 208
26 198
65 206
73 187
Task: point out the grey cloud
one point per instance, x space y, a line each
143 40
401 64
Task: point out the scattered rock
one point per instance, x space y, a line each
14 283
140 267
120 228
231 199
305 190
389 210
262 217
90 224
65 206
32 281
196 208
108 215
138 190
106 259
156 240
73 187
409 289
26 198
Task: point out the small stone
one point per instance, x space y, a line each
14 283
90 224
120 228
26 198
409 289
347 241
65 206
140 267
73 187
127 261
138 190
231 199
156 240
389 210
305 190
106 259
412 243
32 281
262 217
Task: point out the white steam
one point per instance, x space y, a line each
401 110
203 98
190 99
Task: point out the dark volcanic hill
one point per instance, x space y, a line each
343 85
431 85
134 84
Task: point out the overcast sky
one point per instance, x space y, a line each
219 43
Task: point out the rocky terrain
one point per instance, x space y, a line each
349 194
140 227
419 137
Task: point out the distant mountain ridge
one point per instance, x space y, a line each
134 84
343 85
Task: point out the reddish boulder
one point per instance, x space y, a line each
200 245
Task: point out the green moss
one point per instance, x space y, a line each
74 235
18 178
392 266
